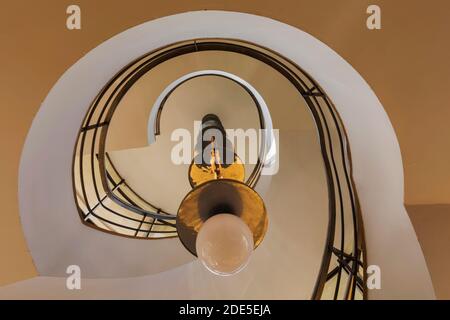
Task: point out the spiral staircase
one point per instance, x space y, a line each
101 211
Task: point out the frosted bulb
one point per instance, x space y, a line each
224 244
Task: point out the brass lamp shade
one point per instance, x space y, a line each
201 173
220 196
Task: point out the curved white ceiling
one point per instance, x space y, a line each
56 238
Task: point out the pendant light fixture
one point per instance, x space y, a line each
221 220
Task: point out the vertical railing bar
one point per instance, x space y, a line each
151 227
140 225
103 199
93 126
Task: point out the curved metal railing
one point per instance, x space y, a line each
114 207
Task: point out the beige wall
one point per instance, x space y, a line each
432 224
405 63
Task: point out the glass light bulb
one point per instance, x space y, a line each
224 244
